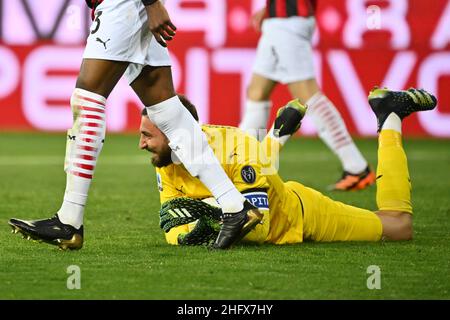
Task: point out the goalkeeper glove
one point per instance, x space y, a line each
204 233
180 211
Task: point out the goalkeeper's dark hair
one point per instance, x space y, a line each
186 103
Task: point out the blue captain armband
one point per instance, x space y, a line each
257 197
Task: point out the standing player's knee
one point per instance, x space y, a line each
92 85
100 76
154 85
162 94
256 93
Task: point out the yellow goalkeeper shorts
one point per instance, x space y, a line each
328 220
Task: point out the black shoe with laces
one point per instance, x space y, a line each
236 225
402 103
51 231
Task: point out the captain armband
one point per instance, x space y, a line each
257 197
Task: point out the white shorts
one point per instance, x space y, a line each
284 51
120 33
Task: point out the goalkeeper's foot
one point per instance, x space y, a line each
289 118
402 103
352 182
236 225
51 231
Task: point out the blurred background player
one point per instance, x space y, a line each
284 55
292 211
128 37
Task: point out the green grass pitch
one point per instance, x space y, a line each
125 255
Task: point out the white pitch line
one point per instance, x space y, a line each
50 161
145 160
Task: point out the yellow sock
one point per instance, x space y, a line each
393 182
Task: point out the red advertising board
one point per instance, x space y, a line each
358 44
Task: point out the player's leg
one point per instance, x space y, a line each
393 184
257 106
111 40
100 76
393 180
291 44
263 81
85 140
333 132
328 220
154 86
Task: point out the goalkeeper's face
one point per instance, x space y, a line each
154 141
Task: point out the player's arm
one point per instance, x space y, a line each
159 21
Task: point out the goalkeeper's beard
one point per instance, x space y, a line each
162 158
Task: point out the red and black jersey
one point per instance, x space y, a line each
94 3
290 8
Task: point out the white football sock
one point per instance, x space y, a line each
282 140
332 130
255 118
84 144
393 122
191 147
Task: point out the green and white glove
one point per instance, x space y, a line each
204 233
184 210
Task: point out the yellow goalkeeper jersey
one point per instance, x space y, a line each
245 162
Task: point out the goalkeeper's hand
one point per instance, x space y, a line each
204 233
184 210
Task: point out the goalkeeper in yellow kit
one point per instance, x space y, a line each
286 212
